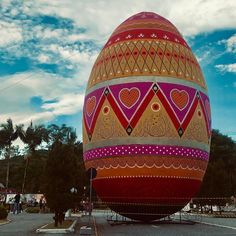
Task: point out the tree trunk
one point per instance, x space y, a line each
25 174
56 218
211 209
60 220
8 166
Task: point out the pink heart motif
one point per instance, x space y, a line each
90 105
180 98
129 97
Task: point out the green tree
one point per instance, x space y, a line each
32 137
8 134
220 179
61 175
223 149
33 171
63 134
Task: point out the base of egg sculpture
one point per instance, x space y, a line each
146 120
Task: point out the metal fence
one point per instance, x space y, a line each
165 210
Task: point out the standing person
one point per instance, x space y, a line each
17 204
42 204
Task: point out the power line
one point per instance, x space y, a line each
27 77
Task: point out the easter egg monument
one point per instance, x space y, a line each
146 120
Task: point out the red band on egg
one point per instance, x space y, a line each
140 34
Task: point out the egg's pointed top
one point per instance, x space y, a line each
146 44
146 21
145 15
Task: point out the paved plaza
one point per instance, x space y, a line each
26 224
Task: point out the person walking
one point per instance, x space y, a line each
16 204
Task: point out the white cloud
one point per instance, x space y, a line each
66 93
227 68
53 46
231 44
27 117
63 35
204 56
9 7
73 54
10 33
101 17
208 53
43 58
78 59
77 37
41 32
67 104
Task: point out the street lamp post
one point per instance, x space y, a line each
91 173
74 191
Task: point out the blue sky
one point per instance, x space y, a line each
47 49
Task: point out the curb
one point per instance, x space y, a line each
217 225
95 227
7 222
71 229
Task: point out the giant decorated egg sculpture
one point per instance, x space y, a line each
146 120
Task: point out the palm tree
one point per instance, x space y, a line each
7 135
63 134
32 137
